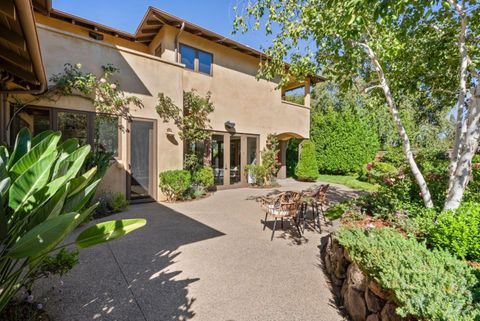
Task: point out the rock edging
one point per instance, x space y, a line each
362 298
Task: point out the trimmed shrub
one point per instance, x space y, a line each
379 171
204 176
175 183
344 141
117 202
459 231
307 168
429 285
336 211
259 172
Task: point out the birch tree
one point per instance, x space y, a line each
388 48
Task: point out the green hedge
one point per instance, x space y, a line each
344 141
307 169
175 183
429 285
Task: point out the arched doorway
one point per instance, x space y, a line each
283 138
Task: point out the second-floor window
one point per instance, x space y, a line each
196 59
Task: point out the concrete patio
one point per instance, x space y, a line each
207 260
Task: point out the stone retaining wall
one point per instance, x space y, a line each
363 299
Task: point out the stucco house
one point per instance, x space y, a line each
165 55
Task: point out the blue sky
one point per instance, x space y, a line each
215 15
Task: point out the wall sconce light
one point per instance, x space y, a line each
229 125
169 132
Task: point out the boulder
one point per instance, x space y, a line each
328 263
355 278
377 290
374 303
355 304
389 314
373 317
347 257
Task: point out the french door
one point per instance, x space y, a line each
230 153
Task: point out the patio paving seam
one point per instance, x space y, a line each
126 282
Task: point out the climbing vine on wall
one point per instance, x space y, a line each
105 94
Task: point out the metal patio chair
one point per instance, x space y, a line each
284 206
317 199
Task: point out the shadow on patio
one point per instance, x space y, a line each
133 278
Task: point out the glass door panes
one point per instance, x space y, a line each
235 160
36 120
141 160
218 153
105 136
73 125
251 157
229 156
251 150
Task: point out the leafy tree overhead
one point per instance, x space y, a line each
393 49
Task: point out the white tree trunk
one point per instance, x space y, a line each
461 124
469 146
427 198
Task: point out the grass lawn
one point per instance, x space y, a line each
350 181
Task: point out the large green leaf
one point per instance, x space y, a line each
51 208
81 199
107 231
43 237
43 195
79 183
69 146
43 148
3 162
22 146
74 160
3 220
35 178
65 149
4 185
40 137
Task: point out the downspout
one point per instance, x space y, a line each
177 37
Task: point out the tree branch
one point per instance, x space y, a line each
458 8
461 126
427 197
368 89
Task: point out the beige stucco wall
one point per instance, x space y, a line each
255 106
140 74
